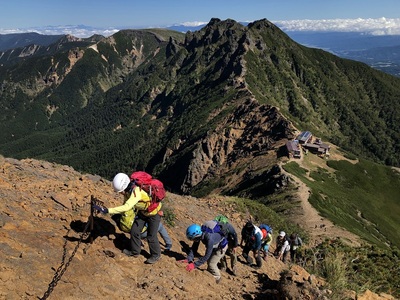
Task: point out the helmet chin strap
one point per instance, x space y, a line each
130 187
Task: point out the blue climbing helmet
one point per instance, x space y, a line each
193 231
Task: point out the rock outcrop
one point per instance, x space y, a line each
44 210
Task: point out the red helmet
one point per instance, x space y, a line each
264 232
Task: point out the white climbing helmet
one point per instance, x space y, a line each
120 182
282 233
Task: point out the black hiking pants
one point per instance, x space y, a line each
256 252
153 223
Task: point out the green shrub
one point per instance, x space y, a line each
169 216
334 271
353 268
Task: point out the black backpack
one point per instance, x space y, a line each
226 232
248 232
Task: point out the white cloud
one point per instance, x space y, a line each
380 26
78 31
193 24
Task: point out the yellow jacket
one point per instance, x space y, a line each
139 200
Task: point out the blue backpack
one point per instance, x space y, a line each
214 227
266 227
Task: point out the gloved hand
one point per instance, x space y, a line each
190 267
103 210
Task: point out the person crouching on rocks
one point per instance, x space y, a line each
216 246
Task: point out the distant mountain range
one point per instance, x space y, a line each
381 52
17 40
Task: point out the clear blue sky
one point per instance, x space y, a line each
161 13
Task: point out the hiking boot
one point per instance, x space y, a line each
218 280
129 253
152 259
168 247
249 260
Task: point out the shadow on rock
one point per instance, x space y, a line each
173 254
268 288
101 228
185 247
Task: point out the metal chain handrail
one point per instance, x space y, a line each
63 266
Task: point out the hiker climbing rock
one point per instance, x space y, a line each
231 235
251 237
266 240
295 243
136 198
282 246
216 245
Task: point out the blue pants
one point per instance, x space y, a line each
163 232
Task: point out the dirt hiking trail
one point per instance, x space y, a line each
309 218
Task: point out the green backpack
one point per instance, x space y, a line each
221 219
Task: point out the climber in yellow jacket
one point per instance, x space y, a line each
137 198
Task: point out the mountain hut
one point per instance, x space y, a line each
304 137
293 149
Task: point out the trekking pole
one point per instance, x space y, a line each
93 201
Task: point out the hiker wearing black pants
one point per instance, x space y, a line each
137 198
153 223
295 243
251 236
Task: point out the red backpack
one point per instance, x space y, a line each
153 187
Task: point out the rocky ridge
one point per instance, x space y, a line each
45 207
246 141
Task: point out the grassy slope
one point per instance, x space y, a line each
361 197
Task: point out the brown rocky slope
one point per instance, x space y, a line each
45 207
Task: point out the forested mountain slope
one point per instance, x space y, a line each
205 110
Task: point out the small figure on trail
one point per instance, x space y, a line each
295 243
231 235
266 240
282 247
216 245
251 236
136 198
